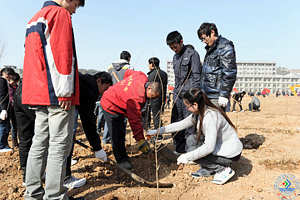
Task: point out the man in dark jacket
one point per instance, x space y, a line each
219 68
237 98
90 87
4 120
155 105
187 70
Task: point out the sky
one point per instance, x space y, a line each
261 30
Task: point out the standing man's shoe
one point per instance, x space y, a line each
126 164
73 182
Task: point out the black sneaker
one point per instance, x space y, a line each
126 164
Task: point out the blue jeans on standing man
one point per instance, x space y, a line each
106 136
4 132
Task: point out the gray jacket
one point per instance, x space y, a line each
255 101
118 69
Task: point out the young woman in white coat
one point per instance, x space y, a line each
215 144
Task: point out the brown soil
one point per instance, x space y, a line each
256 171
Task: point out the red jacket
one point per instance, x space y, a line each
128 97
50 64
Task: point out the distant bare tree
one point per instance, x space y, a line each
2 47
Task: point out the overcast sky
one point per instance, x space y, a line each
262 30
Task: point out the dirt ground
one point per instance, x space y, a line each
256 171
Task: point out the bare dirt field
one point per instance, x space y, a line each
278 122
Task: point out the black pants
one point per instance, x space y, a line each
234 103
117 129
213 163
253 107
25 118
155 106
146 116
157 109
179 112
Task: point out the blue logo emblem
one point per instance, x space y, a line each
286 186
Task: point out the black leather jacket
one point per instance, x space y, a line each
160 76
4 96
219 69
187 70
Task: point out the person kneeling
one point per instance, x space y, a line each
215 145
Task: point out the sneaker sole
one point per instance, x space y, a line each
5 151
80 184
77 185
202 176
225 180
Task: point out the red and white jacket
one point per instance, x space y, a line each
128 97
50 72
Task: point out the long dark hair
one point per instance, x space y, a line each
196 96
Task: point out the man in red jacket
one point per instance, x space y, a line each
126 99
51 83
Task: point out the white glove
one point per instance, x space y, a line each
3 114
223 101
151 132
182 159
101 155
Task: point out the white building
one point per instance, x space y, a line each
170 72
255 76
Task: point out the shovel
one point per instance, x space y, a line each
131 174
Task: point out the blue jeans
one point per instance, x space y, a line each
4 132
106 136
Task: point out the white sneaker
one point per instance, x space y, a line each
73 162
223 176
5 149
74 182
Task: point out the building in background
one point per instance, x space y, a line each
256 76
170 72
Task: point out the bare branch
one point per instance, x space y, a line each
2 47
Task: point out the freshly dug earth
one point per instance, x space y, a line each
277 123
